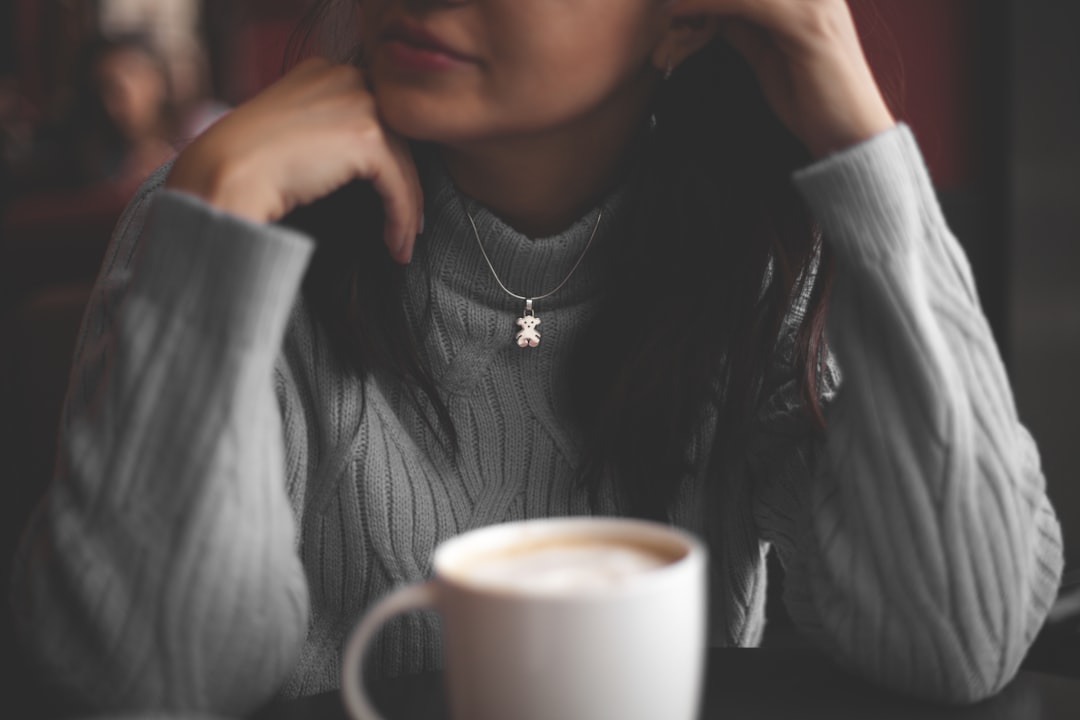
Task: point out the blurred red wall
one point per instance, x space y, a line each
925 54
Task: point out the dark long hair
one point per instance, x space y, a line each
716 252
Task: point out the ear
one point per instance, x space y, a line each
683 37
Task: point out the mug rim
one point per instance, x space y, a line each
689 548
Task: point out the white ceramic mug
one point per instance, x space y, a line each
630 648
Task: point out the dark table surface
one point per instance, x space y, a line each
743 684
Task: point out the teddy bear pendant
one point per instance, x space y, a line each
528 336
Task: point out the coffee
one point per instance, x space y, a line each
563 565
570 618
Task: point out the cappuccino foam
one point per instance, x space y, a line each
565 567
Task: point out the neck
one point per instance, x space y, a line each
542 183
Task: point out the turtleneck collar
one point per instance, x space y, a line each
449 251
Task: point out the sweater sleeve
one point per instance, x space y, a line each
919 544
160 571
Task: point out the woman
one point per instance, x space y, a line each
71 187
116 127
247 465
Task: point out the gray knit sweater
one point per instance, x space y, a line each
224 507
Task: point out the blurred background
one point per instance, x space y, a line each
96 93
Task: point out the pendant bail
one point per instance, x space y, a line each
529 308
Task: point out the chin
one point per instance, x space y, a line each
413 126
432 114
422 115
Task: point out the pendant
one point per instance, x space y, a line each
527 336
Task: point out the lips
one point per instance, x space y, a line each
419 40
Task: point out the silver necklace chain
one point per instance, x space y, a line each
528 336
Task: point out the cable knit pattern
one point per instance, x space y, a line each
225 507
930 553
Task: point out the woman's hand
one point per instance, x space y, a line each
301 139
808 59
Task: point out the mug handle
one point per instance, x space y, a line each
412 597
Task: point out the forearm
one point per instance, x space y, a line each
930 554
160 572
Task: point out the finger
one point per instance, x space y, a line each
784 16
311 64
330 81
386 162
389 177
769 13
403 154
306 71
307 82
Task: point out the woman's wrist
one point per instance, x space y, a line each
854 112
221 185
840 139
